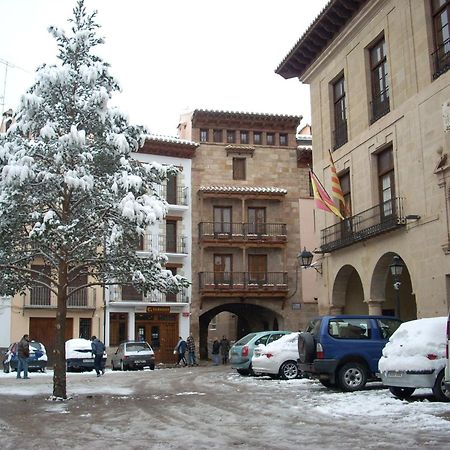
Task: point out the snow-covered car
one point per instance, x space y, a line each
133 355
277 359
79 355
415 357
37 361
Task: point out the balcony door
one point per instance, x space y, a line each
257 269
222 219
79 298
40 295
171 236
171 195
256 220
386 184
223 266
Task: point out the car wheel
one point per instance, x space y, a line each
352 377
122 366
401 393
6 368
152 367
243 372
439 391
306 347
328 384
289 370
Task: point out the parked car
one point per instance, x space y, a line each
343 351
133 355
277 359
37 361
447 352
79 355
415 357
241 352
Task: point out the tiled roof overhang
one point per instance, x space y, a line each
201 117
253 191
327 25
168 146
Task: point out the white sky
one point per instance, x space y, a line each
170 56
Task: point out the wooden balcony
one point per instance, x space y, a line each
40 297
372 222
243 284
249 233
117 294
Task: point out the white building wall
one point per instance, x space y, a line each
5 321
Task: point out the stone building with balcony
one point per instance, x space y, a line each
159 318
251 214
380 96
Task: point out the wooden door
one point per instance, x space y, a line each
256 220
257 268
171 236
171 195
222 269
222 219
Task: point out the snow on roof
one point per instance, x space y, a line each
169 139
244 189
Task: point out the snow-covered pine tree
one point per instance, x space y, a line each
71 196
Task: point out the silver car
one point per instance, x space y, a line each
133 355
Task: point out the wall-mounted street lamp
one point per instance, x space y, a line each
396 268
305 261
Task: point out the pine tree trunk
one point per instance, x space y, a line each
59 353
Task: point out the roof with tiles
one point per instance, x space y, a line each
319 35
168 146
243 190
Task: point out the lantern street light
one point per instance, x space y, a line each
305 261
396 268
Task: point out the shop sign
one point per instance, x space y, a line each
158 309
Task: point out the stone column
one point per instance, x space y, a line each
375 306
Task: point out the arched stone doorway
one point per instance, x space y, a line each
250 318
382 289
348 293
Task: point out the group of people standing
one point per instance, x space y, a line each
219 349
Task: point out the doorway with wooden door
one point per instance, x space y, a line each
257 269
256 220
161 332
223 266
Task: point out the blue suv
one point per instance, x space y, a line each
343 351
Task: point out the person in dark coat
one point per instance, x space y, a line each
23 353
224 349
98 348
192 361
180 350
216 352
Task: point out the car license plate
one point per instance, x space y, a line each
87 360
393 373
140 361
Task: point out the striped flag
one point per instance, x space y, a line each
321 198
336 190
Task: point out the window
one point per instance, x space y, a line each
244 137
203 135
118 324
386 182
283 139
222 268
340 113
222 219
39 294
171 236
270 138
256 220
217 135
441 56
388 327
238 168
171 190
231 136
349 328
257 138
379 80
344 181
85 328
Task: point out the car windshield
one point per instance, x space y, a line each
35 345
138 347
246 339
314 327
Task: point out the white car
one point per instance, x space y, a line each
277 359
79 355
415 357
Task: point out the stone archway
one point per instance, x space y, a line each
348 292
382 290
251 317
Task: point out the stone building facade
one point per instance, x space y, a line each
380 90
250 197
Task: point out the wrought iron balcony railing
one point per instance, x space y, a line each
340 134
172 244
243 281
116 295
242 231
176 196
41 297
441 59
384 217
380 105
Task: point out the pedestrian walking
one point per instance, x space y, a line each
180 350
98 348
192 361
224 349
216 352
23 353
